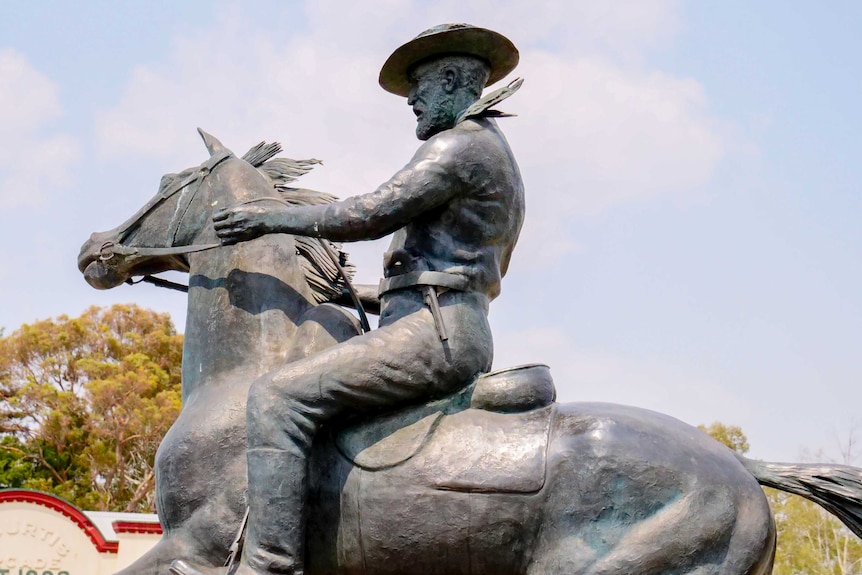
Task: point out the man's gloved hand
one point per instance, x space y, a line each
246 222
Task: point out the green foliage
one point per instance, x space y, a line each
810 540
730 435
85 403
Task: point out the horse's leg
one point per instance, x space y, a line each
752 546
696 526
211 527
200 481
321 327
709 531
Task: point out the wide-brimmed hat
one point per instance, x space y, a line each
445 39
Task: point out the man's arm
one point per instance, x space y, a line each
425 183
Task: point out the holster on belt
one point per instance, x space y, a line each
429 283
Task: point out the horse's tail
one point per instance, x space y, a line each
836 488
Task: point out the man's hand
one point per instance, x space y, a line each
243 223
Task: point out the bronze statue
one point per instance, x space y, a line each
394 451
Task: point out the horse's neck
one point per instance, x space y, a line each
244 305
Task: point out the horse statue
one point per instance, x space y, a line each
495 479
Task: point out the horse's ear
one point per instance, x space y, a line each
211 142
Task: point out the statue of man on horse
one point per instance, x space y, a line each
426 462
455 210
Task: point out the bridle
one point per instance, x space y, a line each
116 247
113 247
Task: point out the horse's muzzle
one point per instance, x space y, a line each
96 267
100 276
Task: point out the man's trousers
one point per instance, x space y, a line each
402 362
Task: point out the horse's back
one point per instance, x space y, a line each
606 435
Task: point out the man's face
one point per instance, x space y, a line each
431 96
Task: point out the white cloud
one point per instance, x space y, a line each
31 95
253 85
33 158
596 134
627 133
624 28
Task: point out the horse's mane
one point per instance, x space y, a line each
320 272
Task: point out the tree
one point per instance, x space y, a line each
730 435
85 403
810 540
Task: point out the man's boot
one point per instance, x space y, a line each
274 540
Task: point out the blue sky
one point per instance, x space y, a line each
693 174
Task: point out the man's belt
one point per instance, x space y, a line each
428 282
428 278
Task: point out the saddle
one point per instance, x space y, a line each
489 437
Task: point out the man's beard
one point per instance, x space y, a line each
435 120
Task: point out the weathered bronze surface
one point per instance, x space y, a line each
394 451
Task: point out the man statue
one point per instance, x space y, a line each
456 210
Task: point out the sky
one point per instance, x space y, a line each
692 172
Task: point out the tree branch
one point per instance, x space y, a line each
141 492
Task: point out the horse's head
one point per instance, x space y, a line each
177 221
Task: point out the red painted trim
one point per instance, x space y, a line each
136 527
65 508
